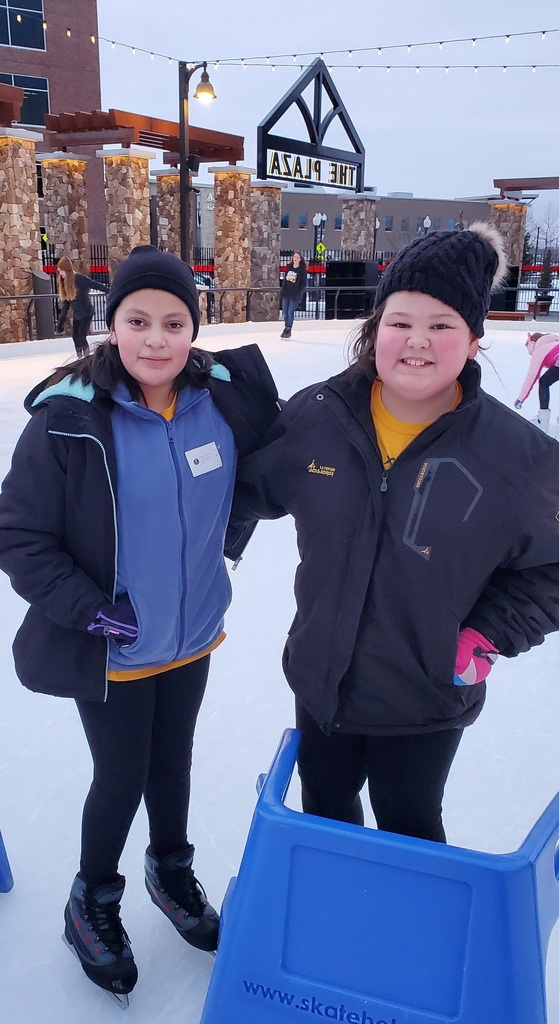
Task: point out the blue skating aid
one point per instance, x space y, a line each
330 921
6 880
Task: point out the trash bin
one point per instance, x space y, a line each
44 304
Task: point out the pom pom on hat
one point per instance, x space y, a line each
460 268
148 267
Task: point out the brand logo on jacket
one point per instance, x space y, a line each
321 470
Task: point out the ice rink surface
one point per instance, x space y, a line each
505 773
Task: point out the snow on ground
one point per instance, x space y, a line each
504 775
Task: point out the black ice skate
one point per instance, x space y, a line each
93 930
173 888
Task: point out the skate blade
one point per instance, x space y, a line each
121 997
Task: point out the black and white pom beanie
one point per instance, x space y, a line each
460 268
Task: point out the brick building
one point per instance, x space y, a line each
46 48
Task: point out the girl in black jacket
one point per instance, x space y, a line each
73 293
293 288
428 529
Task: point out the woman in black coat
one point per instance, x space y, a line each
73 292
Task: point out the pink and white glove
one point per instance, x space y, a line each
475 657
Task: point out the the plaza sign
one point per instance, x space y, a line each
312 160
294 167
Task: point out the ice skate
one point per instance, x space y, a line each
542 419
173 888
286 333
93 931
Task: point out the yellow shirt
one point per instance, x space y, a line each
125 675
394 435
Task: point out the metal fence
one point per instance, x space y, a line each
319 302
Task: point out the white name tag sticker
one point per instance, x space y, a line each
203 459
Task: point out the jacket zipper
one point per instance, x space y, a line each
182 519
91 437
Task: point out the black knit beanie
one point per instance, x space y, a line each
460 268
148 267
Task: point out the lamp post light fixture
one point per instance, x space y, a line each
319 220
205 93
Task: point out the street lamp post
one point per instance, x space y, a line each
319 221
205 93
377 226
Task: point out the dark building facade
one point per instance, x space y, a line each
50 49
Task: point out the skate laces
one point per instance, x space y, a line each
105 921
185 889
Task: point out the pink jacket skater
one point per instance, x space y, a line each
544 352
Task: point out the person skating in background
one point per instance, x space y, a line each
73 293
112 527
428 532
293 288
544 356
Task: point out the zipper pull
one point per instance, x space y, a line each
384 481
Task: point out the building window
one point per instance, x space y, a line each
21 24
405 226
302 220
450 224
285 220
338 222
436 223
388 223
35 97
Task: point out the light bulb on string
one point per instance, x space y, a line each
113 46
507 39
18 17
474 42
69 32
379 51
543 35
92 39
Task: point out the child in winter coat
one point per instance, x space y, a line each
427 519
544 353
112 527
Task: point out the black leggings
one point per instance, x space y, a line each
80 328
546 380
141 743
406 777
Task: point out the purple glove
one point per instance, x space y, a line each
116 621
475 657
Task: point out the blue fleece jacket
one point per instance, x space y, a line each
172 519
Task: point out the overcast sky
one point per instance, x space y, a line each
432 133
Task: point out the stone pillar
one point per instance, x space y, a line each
265 249
127 191
169 210
510 219
359 213
20 234
65 206
232 238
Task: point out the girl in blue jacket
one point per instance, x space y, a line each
112 528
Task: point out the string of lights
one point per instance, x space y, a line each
283 60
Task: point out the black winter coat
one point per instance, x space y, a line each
82 306
60 497
462 530
294 290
